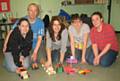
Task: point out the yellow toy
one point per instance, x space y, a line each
78 45
84 71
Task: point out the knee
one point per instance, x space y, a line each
11 69
106 63
89 61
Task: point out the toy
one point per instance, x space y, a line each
59 68
69 70
84 71
49 69
22 72
71 60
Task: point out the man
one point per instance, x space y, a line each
104 42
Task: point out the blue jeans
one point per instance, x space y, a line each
9 62
55 56
106 60
78 54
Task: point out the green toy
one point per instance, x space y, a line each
59 68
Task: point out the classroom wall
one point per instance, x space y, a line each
115 14
52 7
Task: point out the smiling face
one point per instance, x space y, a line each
24 27
56 26
33 11
97 21
76 23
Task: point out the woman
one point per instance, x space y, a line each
18 46
56 41
79 38
104 42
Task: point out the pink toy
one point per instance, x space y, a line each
71 60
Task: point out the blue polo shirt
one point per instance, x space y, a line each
37 28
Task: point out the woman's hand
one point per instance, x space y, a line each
4 48
83 61
22 59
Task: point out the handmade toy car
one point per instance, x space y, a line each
22 72
59 68
69 70
49 69
71 60
84 71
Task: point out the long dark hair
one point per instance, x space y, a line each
24 19
50 29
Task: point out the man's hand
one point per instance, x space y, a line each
97 60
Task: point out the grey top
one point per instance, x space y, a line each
59 44
78 37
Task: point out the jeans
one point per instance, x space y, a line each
9 62
55 56
106 60
78 54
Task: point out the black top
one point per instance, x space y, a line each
18 45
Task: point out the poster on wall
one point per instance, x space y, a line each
4 5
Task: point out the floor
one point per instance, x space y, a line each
98 73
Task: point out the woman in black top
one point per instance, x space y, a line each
18 46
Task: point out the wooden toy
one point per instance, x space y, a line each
22 72
49 69
84 71
59 68
71 60
69 70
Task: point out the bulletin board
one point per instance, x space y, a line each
4 5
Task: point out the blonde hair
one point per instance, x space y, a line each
36 5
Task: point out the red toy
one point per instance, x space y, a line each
69 70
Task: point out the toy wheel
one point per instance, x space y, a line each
21 77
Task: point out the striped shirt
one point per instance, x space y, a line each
106 36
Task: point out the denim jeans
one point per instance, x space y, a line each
78 54
9 62
55 56
106 60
